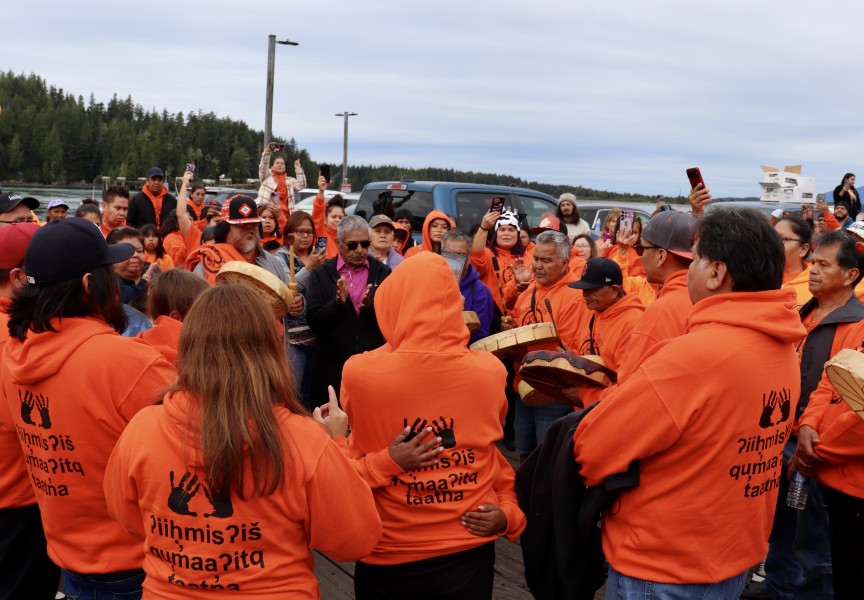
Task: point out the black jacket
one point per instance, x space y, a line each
817 346
340 332
141 210
561 545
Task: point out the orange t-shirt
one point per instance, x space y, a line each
164 336
71 394
15 488
704 416
456 391
258 547
319 219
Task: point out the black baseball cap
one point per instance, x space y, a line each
68 249
11 200
597 273
239 210
155 172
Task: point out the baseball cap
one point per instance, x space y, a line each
672 231
13 243
857 228
381 220
597 273
777 213
11 200
548 222
239 210
155 172
56 203
67 249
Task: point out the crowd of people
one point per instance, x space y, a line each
163 434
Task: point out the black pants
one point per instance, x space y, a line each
464 575
846 524
25 569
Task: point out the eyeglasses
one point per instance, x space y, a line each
640 248
353 245
787 239
303 232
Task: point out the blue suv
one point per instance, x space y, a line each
465 202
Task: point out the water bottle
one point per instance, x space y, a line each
797 496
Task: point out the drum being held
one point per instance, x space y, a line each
551 372
267 285
509 342
846 373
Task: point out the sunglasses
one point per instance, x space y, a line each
639 248
353 245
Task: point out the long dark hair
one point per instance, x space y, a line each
33 307
845 177
231 359
170 225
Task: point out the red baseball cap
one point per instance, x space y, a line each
14 239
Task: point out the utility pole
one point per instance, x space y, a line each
271 63
345 114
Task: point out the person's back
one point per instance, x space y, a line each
214 509
721 400
72 384
425 376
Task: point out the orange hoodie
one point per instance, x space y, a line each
840 429
637 284
155 200
611 335
71 393
664 319
319 218
426 245
213 257
260 546
634 261
491 276
799 282
459 392
15 488
568 308
709 445
164 336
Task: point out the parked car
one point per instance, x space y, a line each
465 202
595 212
218 195
350 201
766 208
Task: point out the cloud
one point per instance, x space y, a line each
621 96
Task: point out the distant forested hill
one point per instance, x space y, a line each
48 135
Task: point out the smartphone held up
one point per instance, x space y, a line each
695 177
325 172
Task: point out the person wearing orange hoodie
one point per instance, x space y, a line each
439 522
795 234
69 407
495 256
228 491
612 314
25 569
437 223
552 279
666 252
634 263
706 418
326 216
169 297
799 561
153 203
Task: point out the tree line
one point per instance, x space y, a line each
50 136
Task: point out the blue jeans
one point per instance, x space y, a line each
122 585
302 360
798 564
622 587
532 423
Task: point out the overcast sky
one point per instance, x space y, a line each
620 96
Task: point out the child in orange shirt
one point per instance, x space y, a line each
228 490
154 251
169 298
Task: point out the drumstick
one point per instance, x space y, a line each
293 285
552 318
